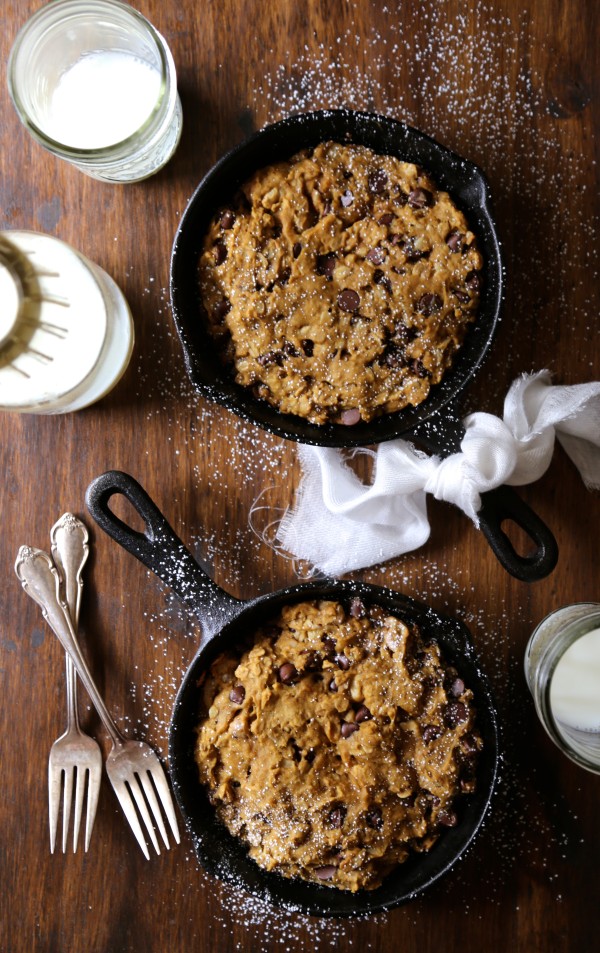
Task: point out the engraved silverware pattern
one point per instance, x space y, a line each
133 768
75 759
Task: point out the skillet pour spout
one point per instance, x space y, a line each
225 622
431 421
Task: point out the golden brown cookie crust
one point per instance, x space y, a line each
336 744
339 284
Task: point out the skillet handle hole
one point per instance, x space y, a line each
120 507
519 539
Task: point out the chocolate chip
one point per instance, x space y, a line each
418 368
326 872
296 753
376 256
456 687
357 608
307 346
332 685
342 661
296 249
380 278
462 296
287 673
348 300
420 198
289 349
386 219
362 714
347 198
328 643
337 816
430 733
469 743
326 265
313 661
455 713
428 304
220 253
348 728
227 218
374 818
454 240
284 277
410 249
393 356
222 308
271 357
310 755
377 181
447 818
350 417
237 694
402 334
473 281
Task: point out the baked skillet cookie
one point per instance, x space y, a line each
336 743
339 284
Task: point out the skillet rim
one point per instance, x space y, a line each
295 894
464 181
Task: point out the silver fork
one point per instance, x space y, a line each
74 755
133 767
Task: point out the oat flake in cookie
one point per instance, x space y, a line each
336 743
340 284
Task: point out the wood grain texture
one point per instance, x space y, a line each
512 86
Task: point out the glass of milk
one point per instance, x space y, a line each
562 668
95 83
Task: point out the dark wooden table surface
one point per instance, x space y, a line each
513 86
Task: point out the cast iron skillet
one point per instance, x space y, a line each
434 422
225 621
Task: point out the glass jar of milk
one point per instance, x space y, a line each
95 83
562 668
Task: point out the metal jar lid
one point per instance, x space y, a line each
65 328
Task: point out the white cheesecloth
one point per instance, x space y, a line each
339 524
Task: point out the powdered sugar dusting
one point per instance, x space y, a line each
471 82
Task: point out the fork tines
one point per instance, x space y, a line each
141 794
61 781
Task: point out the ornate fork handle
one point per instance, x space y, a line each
41 582
70 550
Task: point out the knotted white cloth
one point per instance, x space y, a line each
339 524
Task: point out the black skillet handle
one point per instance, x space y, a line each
160 549
504 504
443 433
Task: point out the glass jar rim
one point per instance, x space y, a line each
167 92
546 664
